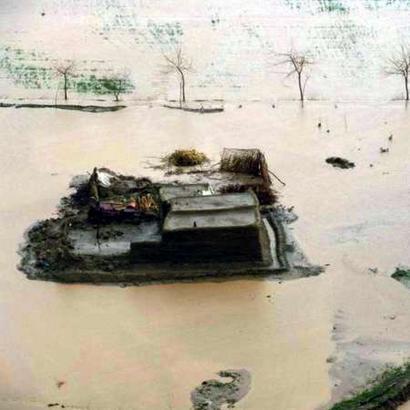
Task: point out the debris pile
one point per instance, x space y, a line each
338 162
121 197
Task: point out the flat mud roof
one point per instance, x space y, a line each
230 218
214 202
167 192
213 211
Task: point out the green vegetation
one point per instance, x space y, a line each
294 4
343 6
319 6
34 70
388 391
332 6
379 4
25 68
102 86
117 86
401 273
186 158
166 33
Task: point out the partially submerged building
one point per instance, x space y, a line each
117 228
204 228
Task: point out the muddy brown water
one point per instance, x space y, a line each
149 347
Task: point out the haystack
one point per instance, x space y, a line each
245 161
186 158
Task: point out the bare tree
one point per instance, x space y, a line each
399 64
181 65
66 69
297 63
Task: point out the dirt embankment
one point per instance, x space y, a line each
73 107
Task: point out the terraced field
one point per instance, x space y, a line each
233 47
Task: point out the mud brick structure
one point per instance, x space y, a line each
208 228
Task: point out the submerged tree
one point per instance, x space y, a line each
66 69
181 65
399 64
297 62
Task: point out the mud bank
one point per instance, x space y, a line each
73 107
201 110
388 391
213 394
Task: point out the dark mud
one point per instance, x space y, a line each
48 250
402 274
201 110
48 254
84 108
213 394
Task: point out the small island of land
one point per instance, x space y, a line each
116 228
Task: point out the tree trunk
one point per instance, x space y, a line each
406 84
65 87
183 87
182 98
116 95
300 87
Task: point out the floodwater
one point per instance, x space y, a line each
105 347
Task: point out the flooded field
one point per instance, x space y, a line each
306 343
103 347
